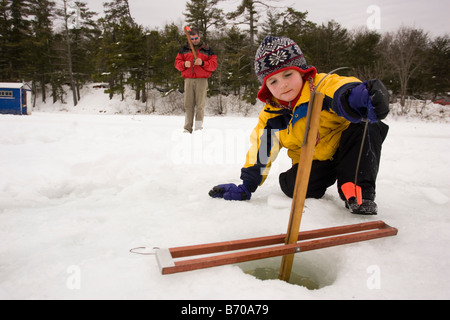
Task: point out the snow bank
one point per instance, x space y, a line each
94 100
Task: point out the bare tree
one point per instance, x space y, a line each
404 52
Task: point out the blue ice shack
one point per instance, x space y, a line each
15 98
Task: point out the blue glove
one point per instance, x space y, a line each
369 100
230 192
359 101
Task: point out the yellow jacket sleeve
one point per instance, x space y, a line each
264 148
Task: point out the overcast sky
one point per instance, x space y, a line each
383 15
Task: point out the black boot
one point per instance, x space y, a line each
367 207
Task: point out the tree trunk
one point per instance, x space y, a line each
69 55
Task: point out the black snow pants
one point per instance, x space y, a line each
343 165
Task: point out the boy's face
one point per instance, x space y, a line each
285 85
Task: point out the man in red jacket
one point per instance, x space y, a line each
195 73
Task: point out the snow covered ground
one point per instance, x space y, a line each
79 190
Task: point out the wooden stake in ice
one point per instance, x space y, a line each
302 179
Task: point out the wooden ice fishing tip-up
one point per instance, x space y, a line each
218 254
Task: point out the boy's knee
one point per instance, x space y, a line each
287 183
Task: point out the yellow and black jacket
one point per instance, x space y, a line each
282 128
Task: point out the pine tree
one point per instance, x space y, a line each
326 46
294 24
171 41
5 30
238 61
133 45
42 40
116 11
364 55
248 11
116 21
437 73
17 46
204 14
84 33
66 15
272 25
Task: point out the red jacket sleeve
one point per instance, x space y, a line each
179 62
210 64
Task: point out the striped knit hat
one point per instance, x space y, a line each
276 54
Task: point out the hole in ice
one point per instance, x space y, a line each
310 269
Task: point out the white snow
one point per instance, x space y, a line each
79 189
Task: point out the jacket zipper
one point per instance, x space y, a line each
292 117
193 64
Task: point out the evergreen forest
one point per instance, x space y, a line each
58 44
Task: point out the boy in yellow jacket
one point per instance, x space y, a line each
287 82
